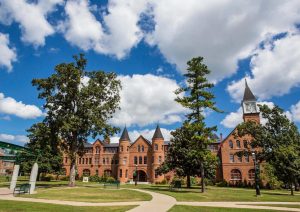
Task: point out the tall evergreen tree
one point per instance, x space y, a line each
79 104
197 97
276 142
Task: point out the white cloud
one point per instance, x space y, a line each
295 112
147 99
10 106
275 69
32 18
6 118
8 54
14 138
116 36
222 31
234 118
146 133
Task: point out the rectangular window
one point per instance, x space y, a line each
96 161
140 160
247 158
145 159
126 173
240 159
120 172
86 161
90 160
103 160
231 158
124 160
135 159
159 159
79 161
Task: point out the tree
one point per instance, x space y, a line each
79 104
277 142
42 148
197 98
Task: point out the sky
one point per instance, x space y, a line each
147 43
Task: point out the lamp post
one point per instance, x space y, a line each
256 169
136 175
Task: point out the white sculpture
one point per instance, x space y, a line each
33 176
14 178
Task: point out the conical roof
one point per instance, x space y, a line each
248 95
125 136
157 133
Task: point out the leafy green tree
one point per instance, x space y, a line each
43 148
79 104
197 97
277 142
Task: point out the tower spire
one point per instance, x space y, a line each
125 136
157 133
248 95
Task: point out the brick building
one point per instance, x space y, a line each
120 160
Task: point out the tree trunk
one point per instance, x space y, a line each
292 190
72 174
188 181
202 178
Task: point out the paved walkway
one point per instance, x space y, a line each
159 203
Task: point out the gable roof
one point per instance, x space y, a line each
143 138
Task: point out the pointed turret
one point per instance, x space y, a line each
157 133
125 136
248 95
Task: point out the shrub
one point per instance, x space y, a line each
222 184
110 180
94 178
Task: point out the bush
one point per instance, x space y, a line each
94 178
110 180
64 178
222 184
47 177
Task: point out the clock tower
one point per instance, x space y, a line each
250 109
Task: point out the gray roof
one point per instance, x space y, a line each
125 136
88 145
157 133
166 142
111 145
248 95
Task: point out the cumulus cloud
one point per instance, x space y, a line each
14 138
221 31
146 133
147 99
8 54
295 112
116 36
274 69
234 118
32 18
10 106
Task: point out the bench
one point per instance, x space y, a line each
175 185
22 189
112 184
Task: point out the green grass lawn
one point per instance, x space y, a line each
280 205
90 194
226 194
12 206
183 208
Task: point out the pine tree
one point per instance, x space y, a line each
197 97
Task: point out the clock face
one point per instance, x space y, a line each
250 107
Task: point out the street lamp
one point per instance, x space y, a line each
256 170
136 175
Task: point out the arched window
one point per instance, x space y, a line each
97 150
230 144
126 173
139 148
140 160
120 174
155 147
86 172
251 174
245 143
236 175
135 159
143 149
145 159
238 144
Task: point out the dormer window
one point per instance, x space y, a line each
97 150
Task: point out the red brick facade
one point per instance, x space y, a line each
121 160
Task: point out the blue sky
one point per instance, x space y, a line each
147 43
